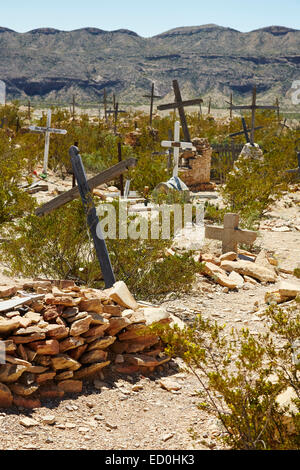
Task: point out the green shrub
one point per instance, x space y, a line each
236 376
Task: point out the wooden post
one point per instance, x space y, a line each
152 97
121 176
209 106
92 219
105 104
231 102
73 108
29 110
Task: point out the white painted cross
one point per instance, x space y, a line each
177 145
2 93
47 131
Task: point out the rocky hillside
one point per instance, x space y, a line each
210 60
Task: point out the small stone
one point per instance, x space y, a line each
169 384
167 437
28 422
48 419
111 425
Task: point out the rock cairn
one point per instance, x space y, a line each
197 176
57 335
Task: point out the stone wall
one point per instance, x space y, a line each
197 174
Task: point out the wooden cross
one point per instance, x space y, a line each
245 131
253 107
180 105
92 218
108 175
2 93
152 97
177 145
230 235
47 131
209 106
29 110
73 107
116 111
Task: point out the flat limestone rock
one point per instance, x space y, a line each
169 384
219 275
155 315
70 386
10 372
8 326
237 279
121 295
102 343
41 378
6 291
63 361
80 326
117 324
90 371
6 398
98 319
28 338
57 331
143 360
70 343
231 256
289 289
23 390
49 347
96 332
91 357
248 268
91 305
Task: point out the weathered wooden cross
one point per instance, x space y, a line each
107 175
180 105
2 93
245 131
152 97
177 145
92 218
230 235
47 131
253 108
116 111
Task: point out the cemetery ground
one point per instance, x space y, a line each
158 409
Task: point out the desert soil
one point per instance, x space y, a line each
135 412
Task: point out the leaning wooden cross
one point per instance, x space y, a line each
253 108
245 131
180 105
92 218
177 145
103 177
230 235
47 131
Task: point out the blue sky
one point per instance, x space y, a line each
148 17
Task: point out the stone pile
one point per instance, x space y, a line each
197 176
232 272
58 335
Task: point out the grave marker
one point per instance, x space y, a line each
92 218
253 108
230 235
103 177
176 145
180 105
152 98
47 131
2 93
245 131
116 111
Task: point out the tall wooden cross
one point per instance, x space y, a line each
92 218
245 131
177 145
48 130
253 108
2 93
116 111
230 235
180 105
152 97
